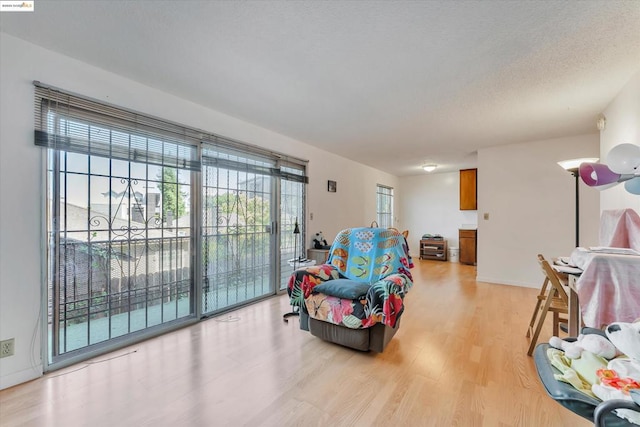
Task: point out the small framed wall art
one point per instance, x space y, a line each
331 186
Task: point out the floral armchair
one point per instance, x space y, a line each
356 299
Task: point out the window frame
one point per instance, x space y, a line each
188 155
384 198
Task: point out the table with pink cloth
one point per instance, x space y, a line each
609 287
620 228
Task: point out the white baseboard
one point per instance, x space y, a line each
504 282
20 377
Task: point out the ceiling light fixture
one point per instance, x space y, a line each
429 168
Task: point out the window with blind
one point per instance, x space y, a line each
384 206
134 202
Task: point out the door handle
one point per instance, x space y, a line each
271 229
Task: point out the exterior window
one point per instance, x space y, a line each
384 198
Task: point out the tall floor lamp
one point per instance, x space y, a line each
572 166
296 232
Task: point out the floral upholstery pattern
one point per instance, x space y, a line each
377 256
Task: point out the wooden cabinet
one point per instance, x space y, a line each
318 255
468 245
433 249
468 189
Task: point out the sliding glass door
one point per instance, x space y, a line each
120 244
152 225
292 245
237 229
251 205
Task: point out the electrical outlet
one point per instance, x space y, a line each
7 347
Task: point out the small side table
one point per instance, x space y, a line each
318 255
433 249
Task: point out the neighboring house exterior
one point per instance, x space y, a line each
97 259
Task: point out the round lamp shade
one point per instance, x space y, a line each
633 186
598 175
624 159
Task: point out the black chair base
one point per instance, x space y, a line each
295 311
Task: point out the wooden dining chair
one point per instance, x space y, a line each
551 298
542 296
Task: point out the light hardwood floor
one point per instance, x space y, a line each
459 359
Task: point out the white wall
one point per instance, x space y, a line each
623 126
21 179
531 205
430 203
354 202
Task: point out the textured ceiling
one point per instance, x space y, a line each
389 84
